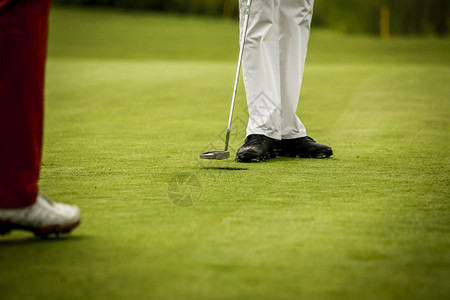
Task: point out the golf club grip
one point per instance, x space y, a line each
236 81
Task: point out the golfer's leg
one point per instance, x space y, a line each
23 39
295 24
261 68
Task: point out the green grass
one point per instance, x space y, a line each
132 99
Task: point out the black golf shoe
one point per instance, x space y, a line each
304 147
256 148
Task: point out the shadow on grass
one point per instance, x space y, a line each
278 160
32 240
285 159
225 168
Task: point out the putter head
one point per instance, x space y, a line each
218 155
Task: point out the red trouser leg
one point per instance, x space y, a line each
23 47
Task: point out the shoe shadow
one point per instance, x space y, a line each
30 240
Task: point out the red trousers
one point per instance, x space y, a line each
23 47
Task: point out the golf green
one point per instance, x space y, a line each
132 99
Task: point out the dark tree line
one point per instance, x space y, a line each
406 16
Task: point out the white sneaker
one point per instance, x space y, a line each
42 218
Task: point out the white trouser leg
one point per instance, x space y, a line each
261 68
273 65
295 25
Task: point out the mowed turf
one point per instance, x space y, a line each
133 99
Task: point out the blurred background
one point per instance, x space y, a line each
376 17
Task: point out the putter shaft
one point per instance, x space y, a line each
236 81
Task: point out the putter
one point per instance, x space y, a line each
219 155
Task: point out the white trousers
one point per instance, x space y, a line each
273 64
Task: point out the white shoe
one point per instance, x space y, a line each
42 218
